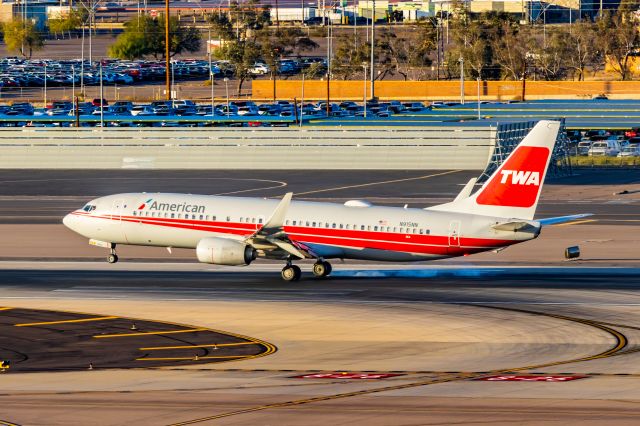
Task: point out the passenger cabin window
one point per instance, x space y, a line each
260 220
375 228
294 222
228 218
362 227
173 215
334 226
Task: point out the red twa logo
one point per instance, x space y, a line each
517 182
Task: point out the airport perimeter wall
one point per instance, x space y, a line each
314 147
446 90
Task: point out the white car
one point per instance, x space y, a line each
630 151
606 148
142 110
248 110
259 69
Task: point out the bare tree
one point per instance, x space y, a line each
512 52
619 40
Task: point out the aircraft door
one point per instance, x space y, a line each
117 210
454 233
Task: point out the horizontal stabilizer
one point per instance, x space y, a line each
562 219
516 226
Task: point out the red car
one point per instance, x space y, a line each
96 102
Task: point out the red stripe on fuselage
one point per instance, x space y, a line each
405 243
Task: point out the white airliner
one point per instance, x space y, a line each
236 230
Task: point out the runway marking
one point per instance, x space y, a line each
31 324
212 345
376 183
150 333
193 358
620 339
577 222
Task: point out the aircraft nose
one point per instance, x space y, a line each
68 221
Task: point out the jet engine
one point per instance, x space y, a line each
224 251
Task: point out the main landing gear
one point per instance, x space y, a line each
113 257
321 269
293 273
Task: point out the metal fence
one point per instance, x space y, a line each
509 135
418 147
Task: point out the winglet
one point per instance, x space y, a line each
276 221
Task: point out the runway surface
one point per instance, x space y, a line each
420 343
44 196
439 333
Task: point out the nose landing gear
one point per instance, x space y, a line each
113 257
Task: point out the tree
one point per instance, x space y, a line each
22 36
512 51
474 41
581 48
401 52
350 57
144 36
278 43
619 40
550 57
239 32
66 22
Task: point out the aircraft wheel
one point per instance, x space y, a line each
113 258
291 273
321 269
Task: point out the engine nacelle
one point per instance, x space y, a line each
224 251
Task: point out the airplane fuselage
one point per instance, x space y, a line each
330 230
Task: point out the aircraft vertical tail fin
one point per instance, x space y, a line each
514 188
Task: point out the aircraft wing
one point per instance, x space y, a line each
272 238
562 219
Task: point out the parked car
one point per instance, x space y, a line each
606 148
259 68
583 147
632 150
142 110
97 102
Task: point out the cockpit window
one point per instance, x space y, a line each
89 208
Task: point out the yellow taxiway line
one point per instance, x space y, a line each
160 348
31 324
149 333
577 222
5 309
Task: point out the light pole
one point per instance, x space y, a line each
82 60
73 82
167 50
226 87
211 75
373 44
101 99
45 86
478 97
461 60
301 101
364 89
